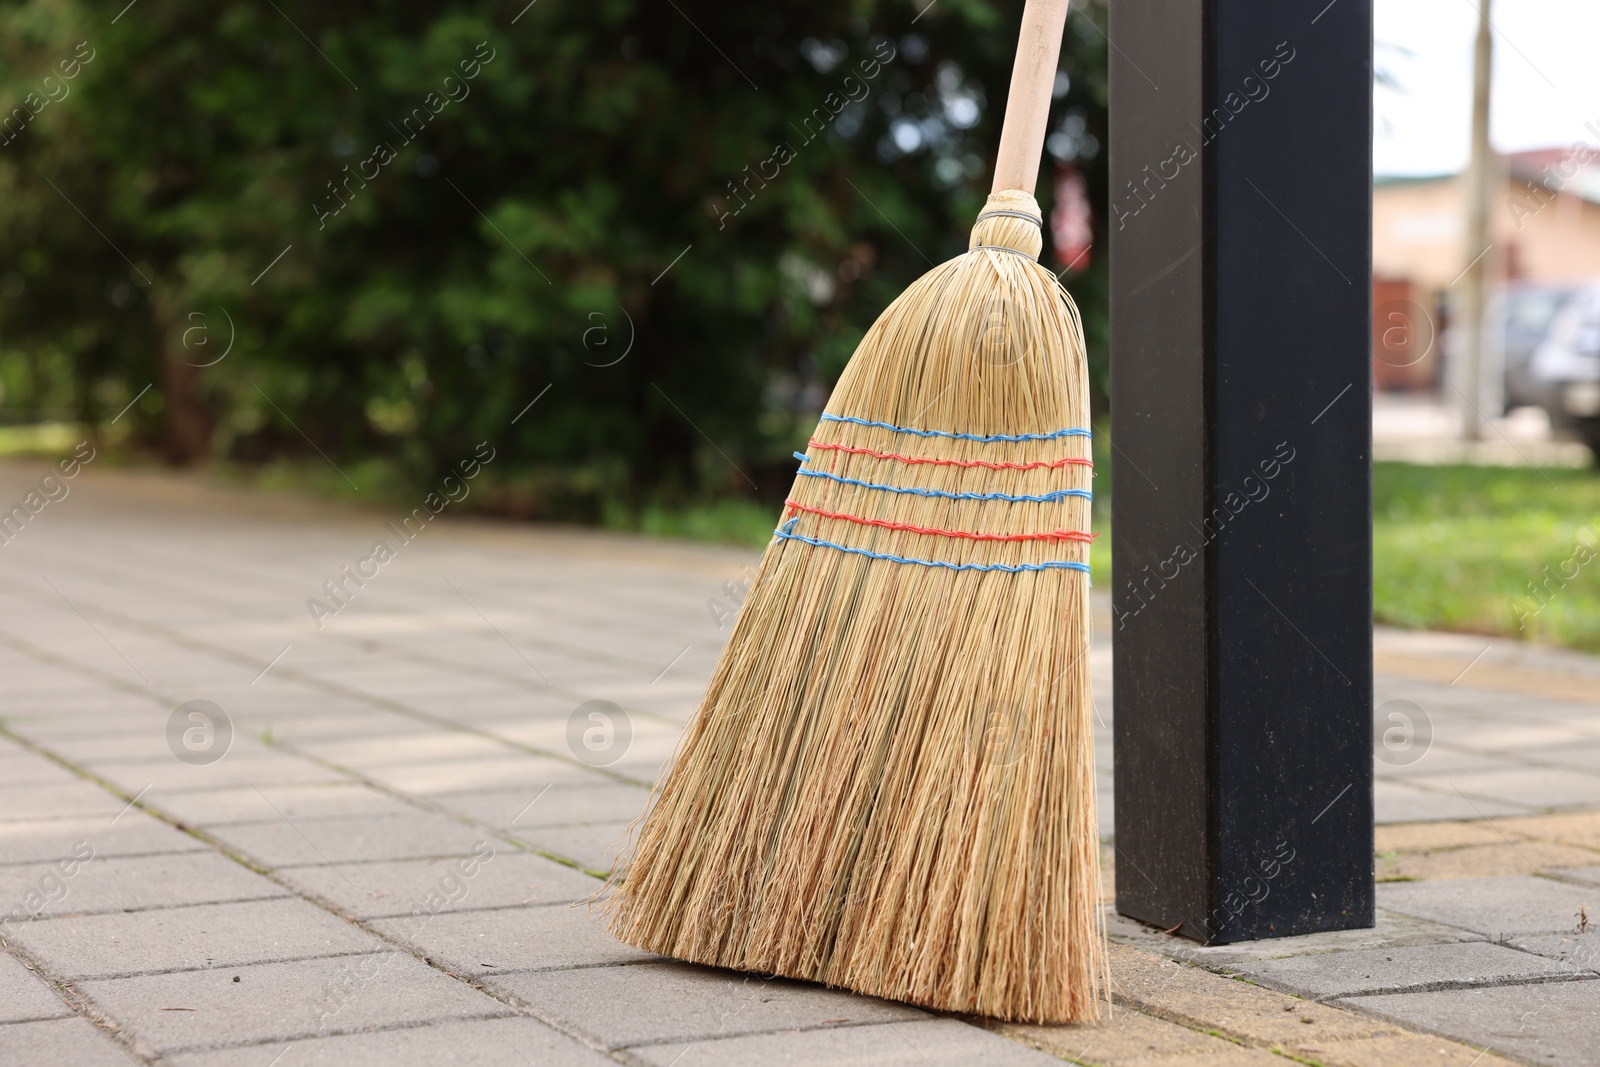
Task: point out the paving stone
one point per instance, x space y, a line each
269 803
133 833
1570 828
512 878
594 847
205 935
54 722
512 939
1442 760
42 800
563 805
293 726
227 773
57 1042
1493 907
1402 802
25 996
148 744
505 1042
654 1003
1579 950
1432 836
1391 930
1237 1010
417 835
920 1043
1122 1036
1580 756
1480 861
393 748
278 1002
1586 875
1537 787
1392 1050
529 773
1551 1023
24 768
132 883
651 738
1340 974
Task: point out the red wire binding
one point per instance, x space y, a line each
1052 535
1070 461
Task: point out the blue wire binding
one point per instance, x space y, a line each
1043 498
783 534
959 436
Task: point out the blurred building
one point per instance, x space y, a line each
1546 233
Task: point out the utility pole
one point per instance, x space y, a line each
1477 252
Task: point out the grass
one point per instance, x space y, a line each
1493 550
734 521
1502 551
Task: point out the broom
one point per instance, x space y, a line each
889 785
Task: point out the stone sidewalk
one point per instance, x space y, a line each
231 837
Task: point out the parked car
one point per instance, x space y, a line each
1566 367
1529 309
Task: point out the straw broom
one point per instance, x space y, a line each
889 785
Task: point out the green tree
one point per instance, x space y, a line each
669 223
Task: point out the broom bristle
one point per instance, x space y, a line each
889 785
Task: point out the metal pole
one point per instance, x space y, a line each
1477 250
1241 473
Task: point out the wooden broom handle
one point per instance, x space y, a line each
1033 78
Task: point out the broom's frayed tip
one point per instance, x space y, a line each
1010 219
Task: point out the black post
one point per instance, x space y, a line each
1241 501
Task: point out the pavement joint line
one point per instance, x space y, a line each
226 654
429 858
715 561
499 1032
613 1050
64 914
532 904
1446 986
271 664
304 838
1141 1006
929 1016
1413 783
81 1006
581 652
1472 663
1532 867
672 664
9 864
496 629
366 925
311 681
101 634
422 804
332 1031
380 1028
528 805
157 972
1511 756
131 802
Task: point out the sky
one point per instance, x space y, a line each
1546 79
